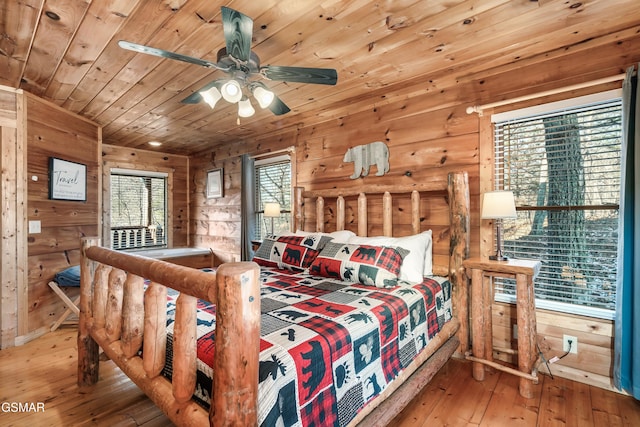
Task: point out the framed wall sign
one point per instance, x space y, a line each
215 183
67 180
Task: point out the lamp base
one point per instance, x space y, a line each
498 258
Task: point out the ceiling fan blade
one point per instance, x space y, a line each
278 107
323 76
238 31
166 54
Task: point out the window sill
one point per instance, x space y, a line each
562 307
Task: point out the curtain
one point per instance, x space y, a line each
248 220
627 323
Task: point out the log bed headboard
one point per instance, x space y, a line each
440 206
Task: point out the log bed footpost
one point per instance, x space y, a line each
88 356
459 208
234 394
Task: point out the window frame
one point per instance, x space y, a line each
546 108
139 170
286 213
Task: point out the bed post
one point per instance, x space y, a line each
458 189
234 396
88 362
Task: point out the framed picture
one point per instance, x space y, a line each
215 183
67 180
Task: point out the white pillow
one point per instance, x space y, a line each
413 265
340 236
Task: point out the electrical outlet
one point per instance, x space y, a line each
574 344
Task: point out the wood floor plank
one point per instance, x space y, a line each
565 403
508 408
466 399
44 371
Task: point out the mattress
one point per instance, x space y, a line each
327 347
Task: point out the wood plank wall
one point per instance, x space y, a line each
216 222
13 274
54 132
429 134
177 168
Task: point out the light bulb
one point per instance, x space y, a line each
263 96
231 91
245 109
211 96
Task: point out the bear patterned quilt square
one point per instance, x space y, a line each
327 347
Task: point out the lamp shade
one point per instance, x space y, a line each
245 109
211 96
231 91
498 204
263 96
271 210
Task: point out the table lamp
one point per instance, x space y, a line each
271 210
498 205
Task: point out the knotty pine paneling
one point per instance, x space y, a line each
13 277
216 223
54 132
595 341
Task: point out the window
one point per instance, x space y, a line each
273 185
138 209
563 166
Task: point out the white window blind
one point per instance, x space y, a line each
273 185
564 170
138 210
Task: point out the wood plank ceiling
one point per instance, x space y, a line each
66 51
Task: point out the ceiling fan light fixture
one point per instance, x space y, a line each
245 109
263 96
231 91
211 96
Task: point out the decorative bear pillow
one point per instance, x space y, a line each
295 253
377 266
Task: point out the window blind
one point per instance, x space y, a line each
273 184
564 170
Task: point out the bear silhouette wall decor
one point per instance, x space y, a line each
364 156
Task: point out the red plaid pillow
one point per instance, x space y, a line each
370 265
295 253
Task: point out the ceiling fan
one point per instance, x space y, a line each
242 66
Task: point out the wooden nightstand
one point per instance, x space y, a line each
482 272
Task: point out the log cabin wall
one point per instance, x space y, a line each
429 134
54 132
178 184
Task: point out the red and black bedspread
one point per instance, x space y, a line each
327 347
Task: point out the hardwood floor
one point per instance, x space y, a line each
43 372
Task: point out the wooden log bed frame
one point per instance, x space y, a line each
120 316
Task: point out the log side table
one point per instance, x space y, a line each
482 272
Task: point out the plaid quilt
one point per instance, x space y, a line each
327 347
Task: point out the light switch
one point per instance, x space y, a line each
34 227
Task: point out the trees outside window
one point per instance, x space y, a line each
138 210
273 185
564 169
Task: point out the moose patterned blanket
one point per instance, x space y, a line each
327 347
